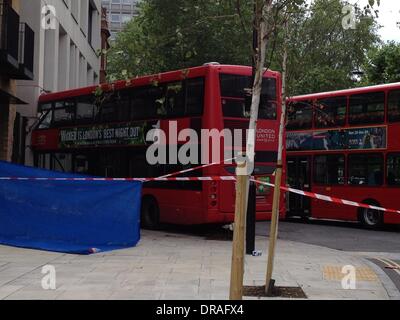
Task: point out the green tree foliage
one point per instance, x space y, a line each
177 34
383 65
323 56
169 35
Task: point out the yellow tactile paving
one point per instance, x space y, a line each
334 273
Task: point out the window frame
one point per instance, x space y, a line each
311 125
346 115
391 154
128 96
237 95
387 105
314 168
368 155
362 123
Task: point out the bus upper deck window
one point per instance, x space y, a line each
367 108
330 112
394 106
300 115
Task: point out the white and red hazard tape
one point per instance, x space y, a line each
328 198
214 178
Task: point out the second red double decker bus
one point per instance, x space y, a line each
104 135
346 144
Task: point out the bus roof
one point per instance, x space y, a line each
148 79
346 92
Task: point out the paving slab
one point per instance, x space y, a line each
185 267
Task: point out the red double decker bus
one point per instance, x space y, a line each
102 132
346 144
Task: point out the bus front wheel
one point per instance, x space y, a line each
150 213
371 219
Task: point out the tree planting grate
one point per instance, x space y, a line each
281 292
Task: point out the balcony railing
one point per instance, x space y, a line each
17 43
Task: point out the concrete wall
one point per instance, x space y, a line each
64 58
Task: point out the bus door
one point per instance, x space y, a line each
299 177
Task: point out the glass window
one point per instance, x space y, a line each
393 170
366 169
175 99
46 118
330 112
124 107
195 97
300 115
236 97
115 18
126 18
85 111
235 108
394 106
62 162
148 103
44 161
329 169
45 107
268 110
108 112
64 113
269 89
367 108
236 86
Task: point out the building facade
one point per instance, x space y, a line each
119 12
16 62
105 45
67 50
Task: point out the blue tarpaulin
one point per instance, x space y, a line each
80 217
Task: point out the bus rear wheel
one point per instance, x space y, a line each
371 219
150 213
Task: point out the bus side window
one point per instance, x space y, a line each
85 110
366 169
175 99
194 97
64 113
147 103
394 106
300 115
329 169
367 108
330 112
393 170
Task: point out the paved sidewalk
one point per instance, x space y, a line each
181 267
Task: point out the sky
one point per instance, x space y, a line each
389 15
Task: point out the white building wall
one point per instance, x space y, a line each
64 58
